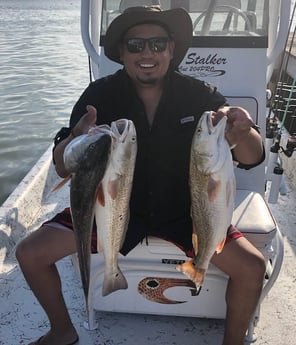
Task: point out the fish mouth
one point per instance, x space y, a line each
120 127
213 123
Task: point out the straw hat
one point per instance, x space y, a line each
176 21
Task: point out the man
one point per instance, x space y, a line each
165 107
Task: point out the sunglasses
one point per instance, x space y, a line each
155 44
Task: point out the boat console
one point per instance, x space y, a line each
233 48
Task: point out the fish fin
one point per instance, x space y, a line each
195 239
113 187
213 189
234 188
195 274
113 282
62 183
100 195
230 191
99 245
220 246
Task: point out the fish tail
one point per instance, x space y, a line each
195 274
113 282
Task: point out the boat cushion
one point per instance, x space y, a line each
253 218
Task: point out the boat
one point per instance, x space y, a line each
235 46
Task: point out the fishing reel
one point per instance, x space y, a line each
290 146
273 133
271 127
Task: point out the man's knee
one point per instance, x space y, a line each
22 252
254 269
27 251
260 265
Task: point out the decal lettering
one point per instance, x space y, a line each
172 261
200 66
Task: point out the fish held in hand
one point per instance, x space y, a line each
112 204
75 150
90 168
212 187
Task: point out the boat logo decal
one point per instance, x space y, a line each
153 288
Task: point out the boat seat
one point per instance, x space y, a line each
152 264
253 218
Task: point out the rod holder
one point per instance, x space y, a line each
276 180
291 146
272 162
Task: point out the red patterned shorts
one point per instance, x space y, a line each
64 218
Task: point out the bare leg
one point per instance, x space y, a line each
37 255
245 266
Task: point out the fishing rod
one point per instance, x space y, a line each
90 69
272 136
274 130
280 74
291 144
275 170
275 97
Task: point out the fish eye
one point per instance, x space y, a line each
92 146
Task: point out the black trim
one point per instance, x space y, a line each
223 41
102 40
230 41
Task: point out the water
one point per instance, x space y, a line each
43 70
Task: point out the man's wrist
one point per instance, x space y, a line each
73 133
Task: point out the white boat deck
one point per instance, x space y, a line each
22 319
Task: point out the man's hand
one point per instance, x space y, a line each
87 121
239 124
245 140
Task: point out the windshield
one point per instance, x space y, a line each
236 18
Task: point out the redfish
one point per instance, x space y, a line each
76 149
112 204
87 158
212 187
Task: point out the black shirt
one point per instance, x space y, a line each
160 199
